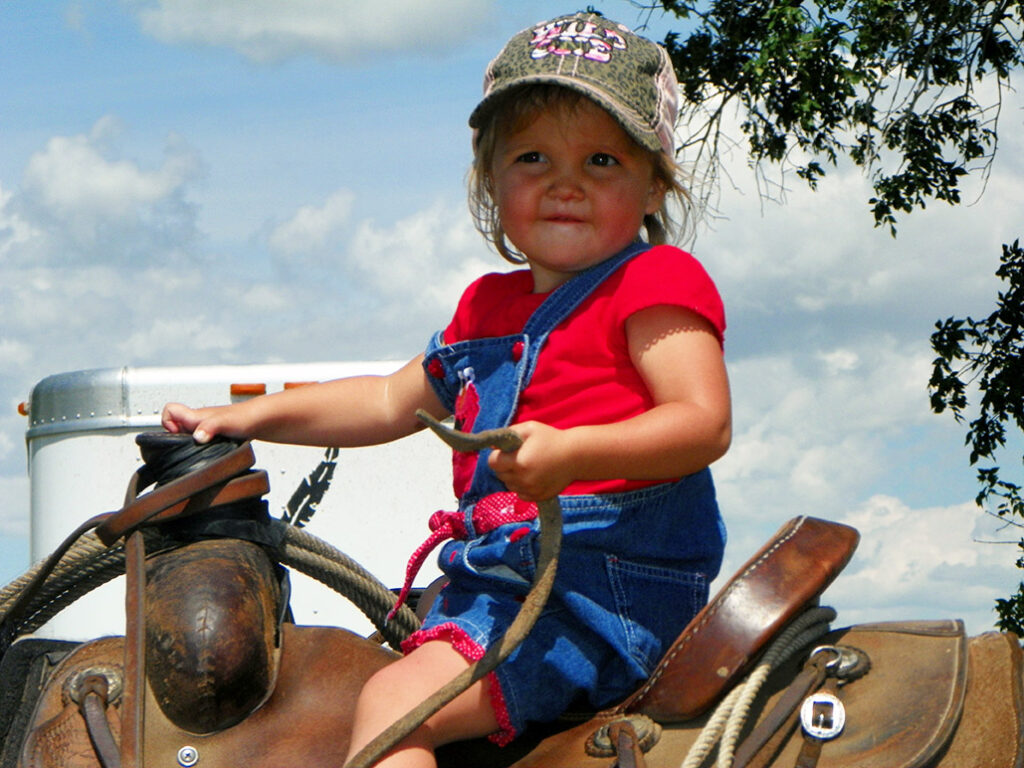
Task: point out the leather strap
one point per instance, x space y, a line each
93 706
759 748
190 493
133 709
628 752
810 752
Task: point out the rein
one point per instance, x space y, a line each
550 519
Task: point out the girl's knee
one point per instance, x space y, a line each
383 683
400 686
414 677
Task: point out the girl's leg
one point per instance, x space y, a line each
399 687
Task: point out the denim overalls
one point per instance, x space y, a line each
634 566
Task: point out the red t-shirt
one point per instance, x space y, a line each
584 374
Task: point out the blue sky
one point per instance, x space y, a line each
187 183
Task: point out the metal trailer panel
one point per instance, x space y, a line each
81 453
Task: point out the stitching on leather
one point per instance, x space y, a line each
657 674
959 659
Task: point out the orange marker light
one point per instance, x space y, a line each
248 389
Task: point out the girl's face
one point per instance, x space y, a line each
572 190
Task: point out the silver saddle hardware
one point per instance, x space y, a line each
822 716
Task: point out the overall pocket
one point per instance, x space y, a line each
654 603
502 559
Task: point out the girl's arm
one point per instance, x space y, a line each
680 360
361 410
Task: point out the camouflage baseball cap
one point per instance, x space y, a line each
628 75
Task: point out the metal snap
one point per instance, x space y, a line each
188 756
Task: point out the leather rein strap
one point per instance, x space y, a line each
92 703
190 493
216 483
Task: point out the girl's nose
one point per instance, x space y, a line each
565 186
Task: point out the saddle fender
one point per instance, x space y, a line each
305 721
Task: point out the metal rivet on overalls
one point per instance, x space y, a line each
188 756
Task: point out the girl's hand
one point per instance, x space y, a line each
541 468
202 423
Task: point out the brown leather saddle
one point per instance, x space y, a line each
248 690
932 697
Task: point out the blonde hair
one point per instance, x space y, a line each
513 112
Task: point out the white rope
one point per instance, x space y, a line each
727 721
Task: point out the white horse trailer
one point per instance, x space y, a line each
371 503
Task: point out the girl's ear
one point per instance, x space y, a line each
655 196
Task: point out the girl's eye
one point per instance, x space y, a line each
530 157
603 159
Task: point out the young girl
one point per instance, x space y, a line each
604 355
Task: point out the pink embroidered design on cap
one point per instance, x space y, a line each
575 37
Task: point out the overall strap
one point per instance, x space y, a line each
564 300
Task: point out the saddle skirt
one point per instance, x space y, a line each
932 697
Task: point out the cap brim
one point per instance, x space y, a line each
643 134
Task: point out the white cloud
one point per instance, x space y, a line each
14 352
813 436
313 228
265 30
427 258
816 260
404 276
80 200
201 335
923 563
16 232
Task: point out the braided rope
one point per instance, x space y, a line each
726 722
319 560
88 564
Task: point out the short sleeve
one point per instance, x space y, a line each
496 304
667 275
